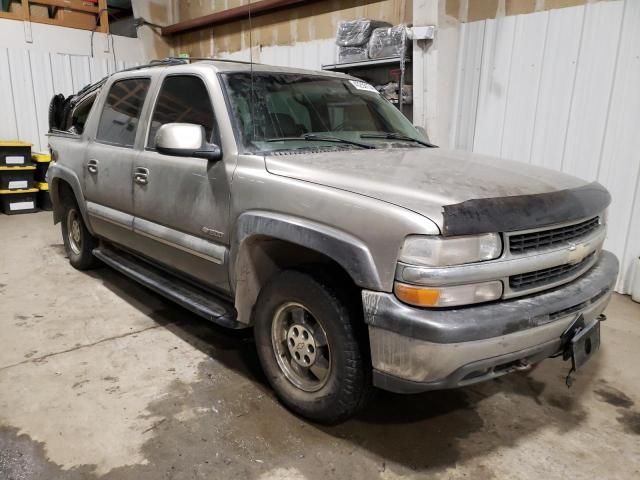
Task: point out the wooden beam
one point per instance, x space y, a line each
11 15
26 13
104 16
58 23
78 5
225 16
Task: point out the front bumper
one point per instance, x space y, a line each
414 349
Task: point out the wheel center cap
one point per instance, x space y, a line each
301 345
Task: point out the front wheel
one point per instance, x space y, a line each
309 348
78 242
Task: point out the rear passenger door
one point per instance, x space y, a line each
182 203
108 167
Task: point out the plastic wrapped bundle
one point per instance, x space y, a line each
387 42
352 54
355 33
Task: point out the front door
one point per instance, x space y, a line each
108 166
182 203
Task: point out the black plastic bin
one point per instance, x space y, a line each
18 201
15 154
42 161
43 198
16 178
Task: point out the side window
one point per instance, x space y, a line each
182 99
121 113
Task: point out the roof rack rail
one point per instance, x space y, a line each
211 59
154 63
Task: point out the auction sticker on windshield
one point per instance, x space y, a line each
363 86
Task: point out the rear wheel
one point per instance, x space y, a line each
309 348
78 242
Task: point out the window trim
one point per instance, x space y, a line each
95 96
215 134
104 104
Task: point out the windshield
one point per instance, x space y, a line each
293 111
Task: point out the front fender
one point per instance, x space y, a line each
345 249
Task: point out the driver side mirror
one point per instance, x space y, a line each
186 140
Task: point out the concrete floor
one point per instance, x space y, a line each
99 378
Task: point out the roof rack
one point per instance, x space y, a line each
210 59
154 63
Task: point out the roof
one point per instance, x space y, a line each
222 65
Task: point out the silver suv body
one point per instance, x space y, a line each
205 181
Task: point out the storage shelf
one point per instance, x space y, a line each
378 62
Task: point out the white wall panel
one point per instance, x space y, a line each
56 60
42 81
524 78
22 92
28 80
562 46
61 73
8 125
591 93
494 84
561 89
620 162
472 38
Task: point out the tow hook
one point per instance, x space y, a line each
602 317
522 366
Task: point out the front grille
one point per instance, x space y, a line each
525 242
547 276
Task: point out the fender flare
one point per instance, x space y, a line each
348 251
57 171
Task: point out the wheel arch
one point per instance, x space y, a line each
63 182
266 243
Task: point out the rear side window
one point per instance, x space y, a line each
182 99
80 115
121 113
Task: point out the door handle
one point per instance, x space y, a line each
92 166
141 175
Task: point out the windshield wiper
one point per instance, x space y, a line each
320 138
397 136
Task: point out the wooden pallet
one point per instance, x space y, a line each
99 11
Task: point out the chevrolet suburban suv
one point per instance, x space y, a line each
306 206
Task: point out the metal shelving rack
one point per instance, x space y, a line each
376 64
353 68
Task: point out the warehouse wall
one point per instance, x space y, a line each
560 89
299 24
37 61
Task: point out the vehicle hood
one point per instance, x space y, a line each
422 180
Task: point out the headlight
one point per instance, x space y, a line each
439 251
448 296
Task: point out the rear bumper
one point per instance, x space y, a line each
414 349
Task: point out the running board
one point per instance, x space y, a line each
190 297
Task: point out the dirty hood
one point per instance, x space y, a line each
421 180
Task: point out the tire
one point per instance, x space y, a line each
337 380
78 242
55 106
